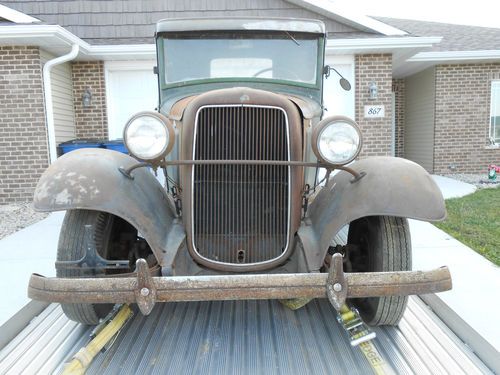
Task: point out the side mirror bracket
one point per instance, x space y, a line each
344 83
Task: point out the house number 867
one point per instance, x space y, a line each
374 111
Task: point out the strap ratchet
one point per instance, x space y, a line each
360 335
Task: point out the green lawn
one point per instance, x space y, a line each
475 221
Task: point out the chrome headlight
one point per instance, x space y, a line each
149 136
336 140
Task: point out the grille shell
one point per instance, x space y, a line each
240 214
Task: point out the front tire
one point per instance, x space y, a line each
107 231
383 244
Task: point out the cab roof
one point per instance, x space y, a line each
241 23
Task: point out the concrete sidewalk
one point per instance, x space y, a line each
451 188
32 249
476 281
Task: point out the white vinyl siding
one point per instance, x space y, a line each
419 118
62 98
495 112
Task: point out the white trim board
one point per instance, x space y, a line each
456 56
334 11
57 40
380 44
15 16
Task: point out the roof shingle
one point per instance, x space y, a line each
133 21
455 37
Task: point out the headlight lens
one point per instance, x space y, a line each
337 140
148 136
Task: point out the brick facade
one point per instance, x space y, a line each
377 132
462 118
398 88
462 115
23 137
90 122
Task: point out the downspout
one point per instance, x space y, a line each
47 91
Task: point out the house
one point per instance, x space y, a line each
436 87
452 98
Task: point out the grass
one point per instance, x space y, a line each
475 221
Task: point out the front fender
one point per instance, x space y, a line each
391 187
89 179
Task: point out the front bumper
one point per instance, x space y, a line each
145 290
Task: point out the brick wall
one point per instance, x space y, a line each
398 88
463 94
23 138
90 122
377 132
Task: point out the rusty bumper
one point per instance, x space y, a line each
145 290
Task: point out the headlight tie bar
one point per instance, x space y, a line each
329 167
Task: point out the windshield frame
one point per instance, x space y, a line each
164 85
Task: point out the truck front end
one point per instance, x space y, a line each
256 186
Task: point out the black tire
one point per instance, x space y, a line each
384 244
71 247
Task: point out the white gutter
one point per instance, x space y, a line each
456 56
49 107
41 32
51 37
360 44
130 50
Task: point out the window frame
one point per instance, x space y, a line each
492 127
320 40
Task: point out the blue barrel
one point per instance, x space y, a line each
116 145
76 144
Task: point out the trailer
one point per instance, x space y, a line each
250 337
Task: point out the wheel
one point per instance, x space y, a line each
114 239
382 243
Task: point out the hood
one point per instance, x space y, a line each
307 107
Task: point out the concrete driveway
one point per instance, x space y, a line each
476 280
32 249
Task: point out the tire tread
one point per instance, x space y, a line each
70 247
394 248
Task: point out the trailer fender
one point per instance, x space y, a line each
90 179
392 187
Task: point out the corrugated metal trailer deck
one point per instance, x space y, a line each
251 337
241 337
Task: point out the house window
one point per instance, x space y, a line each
495 112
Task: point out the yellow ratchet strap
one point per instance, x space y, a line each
83 358
361 335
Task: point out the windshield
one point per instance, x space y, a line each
282 56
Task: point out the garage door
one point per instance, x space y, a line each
336 100
131 87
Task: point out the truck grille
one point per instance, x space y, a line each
240 212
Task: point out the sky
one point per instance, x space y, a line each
464 12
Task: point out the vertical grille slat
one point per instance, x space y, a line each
240 212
